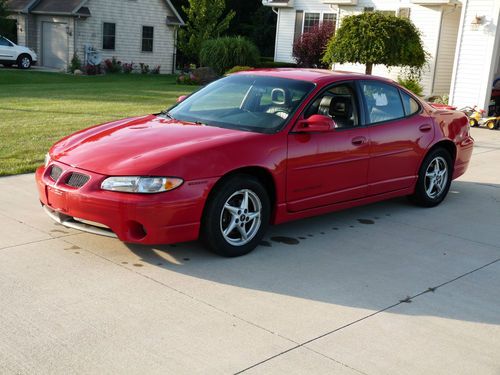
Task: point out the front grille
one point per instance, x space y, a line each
77 180
55 172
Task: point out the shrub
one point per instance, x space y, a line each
411 84
309 49
128 68
223 53
440 99
276 64
238 68
144 68
112 65
75 64
92 70
156 70
187 79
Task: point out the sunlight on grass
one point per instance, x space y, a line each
38 108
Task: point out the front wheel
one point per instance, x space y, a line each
24 62
473 122
434 178
236 216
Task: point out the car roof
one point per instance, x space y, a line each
318 76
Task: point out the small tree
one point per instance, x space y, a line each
375 38
204 21
309 49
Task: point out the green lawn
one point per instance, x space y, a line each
38 108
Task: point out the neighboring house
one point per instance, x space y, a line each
139 31
461 37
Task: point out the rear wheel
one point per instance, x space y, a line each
434 178
236 216
492 124
24 62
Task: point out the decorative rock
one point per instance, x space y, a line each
77 72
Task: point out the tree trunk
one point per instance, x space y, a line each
369 67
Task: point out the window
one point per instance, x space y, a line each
253 103
410 105
339 103
108 35
4 42
383 102
312 20
147 38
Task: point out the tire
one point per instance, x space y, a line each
24 61
473 122
218 218
491 125
433 184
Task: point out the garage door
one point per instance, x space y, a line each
54 45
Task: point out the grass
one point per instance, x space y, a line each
39 108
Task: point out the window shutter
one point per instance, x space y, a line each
299 20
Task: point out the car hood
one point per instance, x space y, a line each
141 145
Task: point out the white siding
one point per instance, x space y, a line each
477 52
427 19
284 35
446 52
285 30
129 17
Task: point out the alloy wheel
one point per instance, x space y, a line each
436 177
240 218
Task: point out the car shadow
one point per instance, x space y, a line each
369 257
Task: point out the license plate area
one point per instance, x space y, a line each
56 199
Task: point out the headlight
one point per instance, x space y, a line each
46 160
135 184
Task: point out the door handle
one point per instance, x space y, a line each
358 141
425 128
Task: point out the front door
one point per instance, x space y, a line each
54 45
399 131
329 167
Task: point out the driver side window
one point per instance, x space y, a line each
339 103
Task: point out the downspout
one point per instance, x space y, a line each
174 56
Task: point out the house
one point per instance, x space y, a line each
139 31
461 37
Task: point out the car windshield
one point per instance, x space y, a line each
247 102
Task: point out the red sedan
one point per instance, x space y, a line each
250 150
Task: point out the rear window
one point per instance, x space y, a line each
410 105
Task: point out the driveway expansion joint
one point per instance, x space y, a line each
408 299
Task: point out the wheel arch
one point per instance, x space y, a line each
446 144
261 173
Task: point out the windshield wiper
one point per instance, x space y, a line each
167 114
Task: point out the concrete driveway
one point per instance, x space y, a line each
383 289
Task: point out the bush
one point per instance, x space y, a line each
238 68
75 64
309 49
156 70
128 68
187 79
276 64
411 84
223 53
112 65
144 68
92 70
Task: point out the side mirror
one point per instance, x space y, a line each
315 124
181 98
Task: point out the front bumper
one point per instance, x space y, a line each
161 218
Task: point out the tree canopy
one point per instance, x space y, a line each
376 38
205 20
